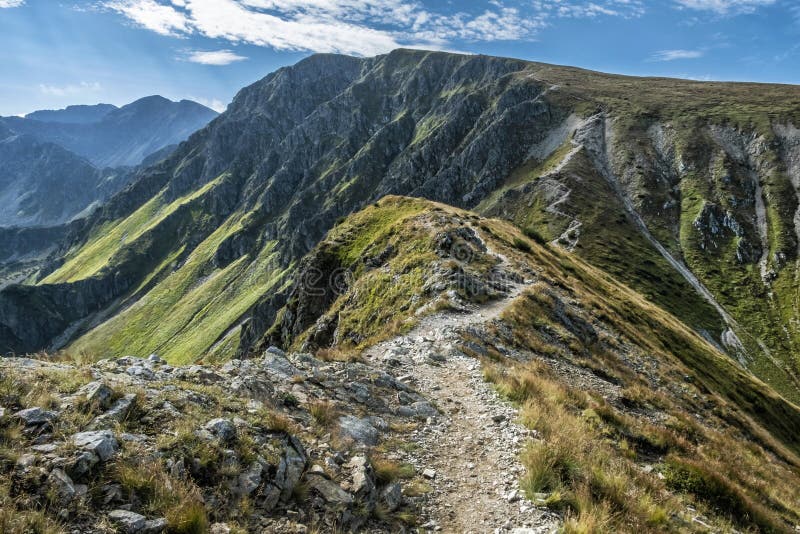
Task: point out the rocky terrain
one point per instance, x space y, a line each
517 390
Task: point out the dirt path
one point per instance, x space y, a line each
473 447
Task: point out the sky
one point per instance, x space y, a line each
54 53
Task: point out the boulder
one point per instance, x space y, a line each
35 416
362 475
359 430
102 443
128 522
97 393
222 429
139 371
118 411
392 496
290 469
61 486
330 491
133 523
248 481
82 463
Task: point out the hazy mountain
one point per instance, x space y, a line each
73 114
52 162
121 136
43 184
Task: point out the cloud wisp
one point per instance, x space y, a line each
11 3
673 55
725 7
70 89
213 57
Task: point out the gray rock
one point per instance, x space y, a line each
392 496
289 471
249 481
82 464
278 365
221 429
155 526
129 522
99 442
429 473
35 416
363 484
45 448
276 351
61 486
98 393
200 373
118 412
328 490
359 430
139 371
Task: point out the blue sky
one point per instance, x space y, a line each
59 52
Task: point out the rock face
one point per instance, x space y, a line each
246 198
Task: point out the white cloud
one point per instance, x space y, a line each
725 7
213 57
162 19
11 3
362 27
672 55
213 103
70 89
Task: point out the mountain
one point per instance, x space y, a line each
117 137
684 191
43 184
73 114
52 163
455 362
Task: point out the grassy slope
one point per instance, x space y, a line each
109 240
607 242
183 315
389 296
592 457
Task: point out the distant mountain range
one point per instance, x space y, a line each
56 164
73 114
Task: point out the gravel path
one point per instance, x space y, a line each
470 453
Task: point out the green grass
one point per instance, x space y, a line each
109 239
192 307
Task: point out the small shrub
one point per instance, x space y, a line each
387 471
337 354
534 234
522 245
187 518
323 412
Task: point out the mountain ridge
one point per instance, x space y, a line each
454 129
